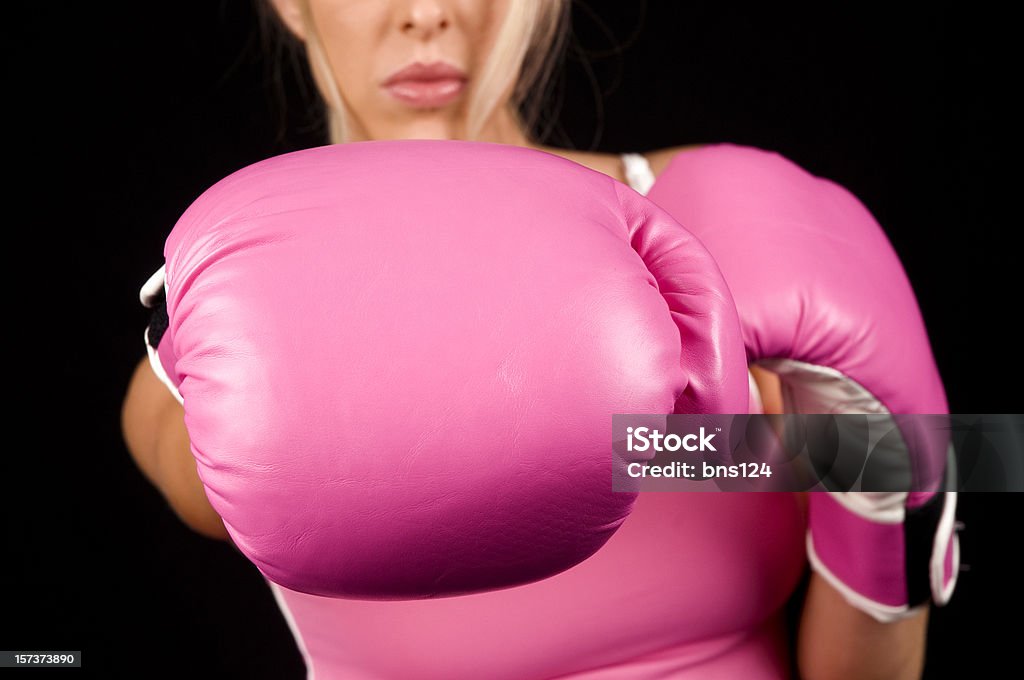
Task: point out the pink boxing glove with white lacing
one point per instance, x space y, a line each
399 360
825 304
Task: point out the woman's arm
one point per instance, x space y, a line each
837 641
153 424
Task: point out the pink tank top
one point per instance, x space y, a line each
691 586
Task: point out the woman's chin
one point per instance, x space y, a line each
426 124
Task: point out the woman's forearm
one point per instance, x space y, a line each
153 424
840 642
836 640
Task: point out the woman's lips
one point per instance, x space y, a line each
426 85
427 93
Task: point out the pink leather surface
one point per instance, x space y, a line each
813 274
815 279
689 588
852 546
399 360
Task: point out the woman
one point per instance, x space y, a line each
712 572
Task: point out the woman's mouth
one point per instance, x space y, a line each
426 85
427 93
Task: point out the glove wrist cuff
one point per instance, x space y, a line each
886 569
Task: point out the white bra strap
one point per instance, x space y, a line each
638 172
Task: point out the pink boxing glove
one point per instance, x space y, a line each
399 360
825 304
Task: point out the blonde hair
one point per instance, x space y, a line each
523 58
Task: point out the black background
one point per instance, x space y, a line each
117 117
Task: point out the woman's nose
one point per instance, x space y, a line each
423 18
